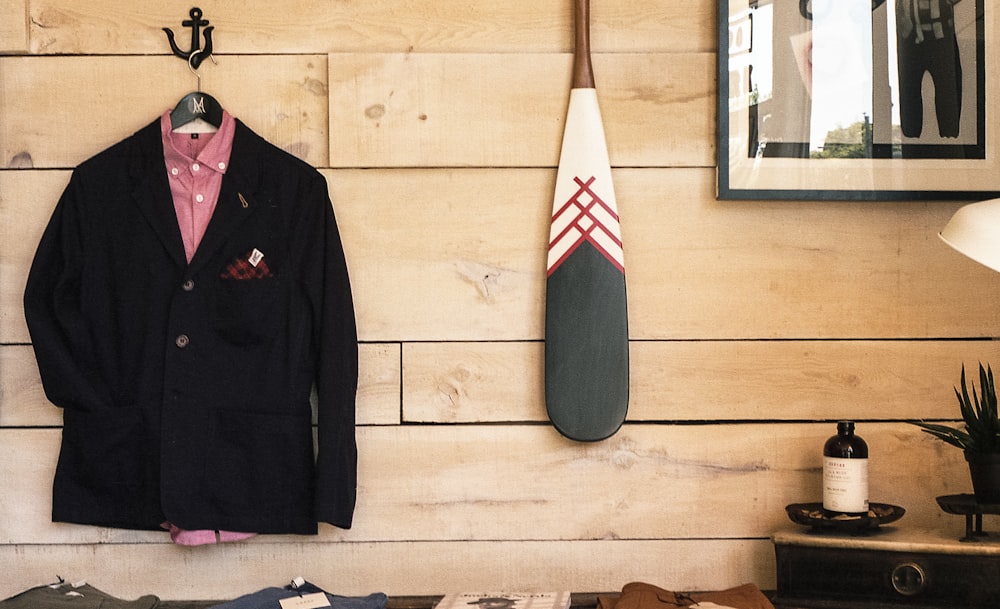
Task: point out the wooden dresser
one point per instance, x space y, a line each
888 568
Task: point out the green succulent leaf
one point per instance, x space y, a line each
979 413
955 437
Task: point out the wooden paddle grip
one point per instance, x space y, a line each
583 71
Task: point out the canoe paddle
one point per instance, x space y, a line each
586 319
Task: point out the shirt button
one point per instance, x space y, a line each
195 167
182 341
175 171
222 166
188 285
199 198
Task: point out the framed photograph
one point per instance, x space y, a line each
858 99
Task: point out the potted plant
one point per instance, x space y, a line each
980 440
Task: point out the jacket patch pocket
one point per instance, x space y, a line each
248 311
260 463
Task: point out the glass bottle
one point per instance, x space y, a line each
845 472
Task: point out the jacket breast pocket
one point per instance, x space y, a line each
248 311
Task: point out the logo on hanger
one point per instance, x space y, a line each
198 105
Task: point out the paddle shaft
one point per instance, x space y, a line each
583 70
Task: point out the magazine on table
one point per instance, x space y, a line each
505 600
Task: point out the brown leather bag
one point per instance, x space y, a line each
638 595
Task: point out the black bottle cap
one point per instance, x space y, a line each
845 427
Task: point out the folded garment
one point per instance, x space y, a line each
185 537
270 598
73 596
638 595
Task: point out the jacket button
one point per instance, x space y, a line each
182 341
188 285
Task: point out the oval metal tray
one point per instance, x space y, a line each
812 515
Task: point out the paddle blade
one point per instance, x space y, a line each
586 320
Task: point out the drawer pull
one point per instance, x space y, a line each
909 579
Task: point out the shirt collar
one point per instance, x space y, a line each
212 151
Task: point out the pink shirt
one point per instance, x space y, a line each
195 166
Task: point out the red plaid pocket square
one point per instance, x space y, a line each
249 266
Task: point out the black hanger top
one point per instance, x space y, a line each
196 112
196 106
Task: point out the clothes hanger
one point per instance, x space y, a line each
196 112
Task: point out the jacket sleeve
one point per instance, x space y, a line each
337 369
54 311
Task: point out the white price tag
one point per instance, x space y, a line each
306 601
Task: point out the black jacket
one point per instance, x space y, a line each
186 387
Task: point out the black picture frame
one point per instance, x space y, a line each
815 105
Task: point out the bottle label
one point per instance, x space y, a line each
845 484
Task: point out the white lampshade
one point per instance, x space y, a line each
974 230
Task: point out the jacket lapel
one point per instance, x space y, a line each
238 196
152 192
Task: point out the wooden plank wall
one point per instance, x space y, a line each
754 325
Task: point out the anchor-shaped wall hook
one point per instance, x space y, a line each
198 53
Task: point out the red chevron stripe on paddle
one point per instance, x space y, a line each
585 217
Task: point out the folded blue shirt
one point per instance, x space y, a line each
270 598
